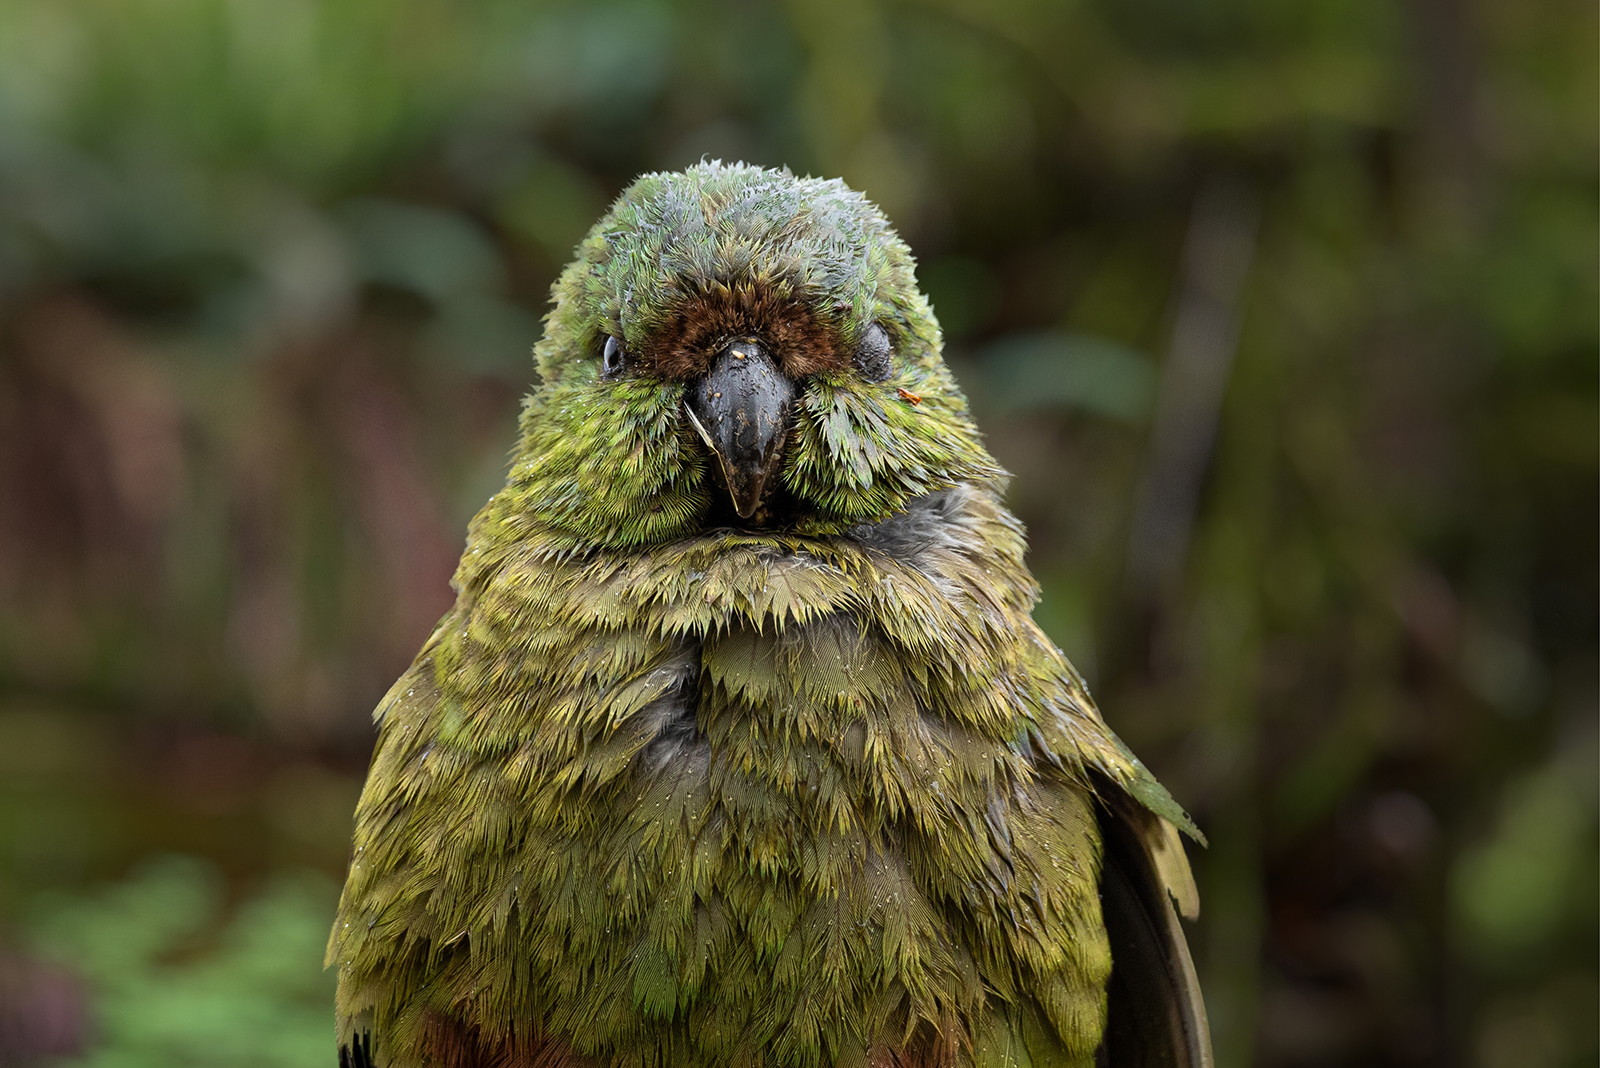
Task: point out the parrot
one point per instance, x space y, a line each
740 747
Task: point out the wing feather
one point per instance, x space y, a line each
1156 1016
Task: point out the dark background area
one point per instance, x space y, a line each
1282 314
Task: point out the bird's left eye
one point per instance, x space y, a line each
612 360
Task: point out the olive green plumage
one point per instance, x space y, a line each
663 790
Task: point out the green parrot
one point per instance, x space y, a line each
739 747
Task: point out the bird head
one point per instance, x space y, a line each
737 347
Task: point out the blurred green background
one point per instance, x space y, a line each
1283 314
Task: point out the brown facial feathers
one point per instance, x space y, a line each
703 323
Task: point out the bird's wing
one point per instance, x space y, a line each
1155 1013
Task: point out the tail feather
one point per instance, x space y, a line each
1156 1018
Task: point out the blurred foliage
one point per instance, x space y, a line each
1283 315
251 993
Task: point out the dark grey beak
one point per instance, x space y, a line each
741 409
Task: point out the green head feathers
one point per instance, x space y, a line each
686 264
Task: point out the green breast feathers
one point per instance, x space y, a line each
740 746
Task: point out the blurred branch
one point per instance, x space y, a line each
1194 379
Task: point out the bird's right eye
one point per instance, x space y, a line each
613 358
875 354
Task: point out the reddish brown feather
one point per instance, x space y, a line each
449 1043
927 1047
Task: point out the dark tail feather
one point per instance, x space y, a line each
358 1054
1156 1016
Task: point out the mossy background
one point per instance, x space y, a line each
1282 314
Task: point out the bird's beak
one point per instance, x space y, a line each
741 409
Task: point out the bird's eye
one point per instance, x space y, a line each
612 360
872 355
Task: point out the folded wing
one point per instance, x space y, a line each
1156 1018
